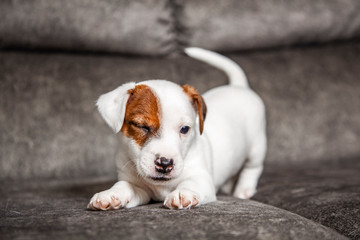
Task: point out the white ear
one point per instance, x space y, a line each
112 105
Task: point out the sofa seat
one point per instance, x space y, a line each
325 193
57 210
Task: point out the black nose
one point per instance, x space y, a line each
164 165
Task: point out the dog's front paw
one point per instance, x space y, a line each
181 199
109 200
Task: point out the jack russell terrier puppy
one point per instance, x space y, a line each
180 147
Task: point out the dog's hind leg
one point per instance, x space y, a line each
249 176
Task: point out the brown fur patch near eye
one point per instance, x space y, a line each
142 115
198 104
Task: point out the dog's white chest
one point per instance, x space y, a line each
159 193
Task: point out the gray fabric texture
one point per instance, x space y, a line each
56 210
162 27
232 25
135 27
50 126
325 193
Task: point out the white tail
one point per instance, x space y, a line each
234 72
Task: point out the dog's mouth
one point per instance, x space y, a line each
160 179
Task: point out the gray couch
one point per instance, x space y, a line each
57 57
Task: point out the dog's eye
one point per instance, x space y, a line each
184 129
146 129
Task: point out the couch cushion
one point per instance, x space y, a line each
162 27
50 126
237 25
107 26
56 210
325 193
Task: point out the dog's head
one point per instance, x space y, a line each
158 121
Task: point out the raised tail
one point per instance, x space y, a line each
234 72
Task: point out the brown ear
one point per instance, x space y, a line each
198 104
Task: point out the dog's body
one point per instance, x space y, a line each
168 152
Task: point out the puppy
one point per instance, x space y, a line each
180 147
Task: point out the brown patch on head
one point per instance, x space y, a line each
142 115
198 103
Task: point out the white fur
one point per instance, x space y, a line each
112 105
234 131
234 72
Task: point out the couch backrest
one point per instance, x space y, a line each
50 127
163 27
